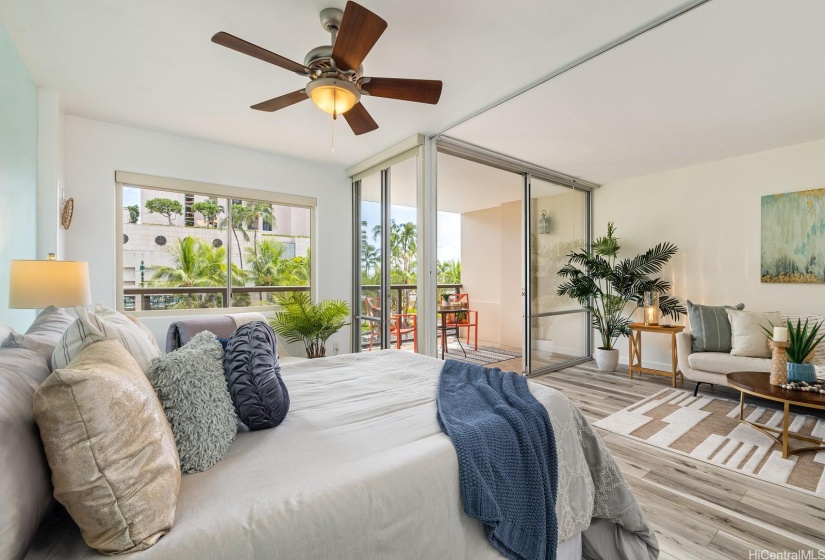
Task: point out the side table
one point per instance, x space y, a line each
634 342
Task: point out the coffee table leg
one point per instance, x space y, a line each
785 431
741 405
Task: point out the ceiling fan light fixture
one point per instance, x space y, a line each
332 95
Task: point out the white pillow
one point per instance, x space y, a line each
5 330
747 337
104 324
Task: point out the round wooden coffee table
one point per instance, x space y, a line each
758 384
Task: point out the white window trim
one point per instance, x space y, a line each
124 178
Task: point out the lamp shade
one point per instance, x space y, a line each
38 284
333 96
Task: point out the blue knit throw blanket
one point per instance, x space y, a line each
506 457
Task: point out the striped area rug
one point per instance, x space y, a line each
483 356
707 428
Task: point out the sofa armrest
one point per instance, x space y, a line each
684 347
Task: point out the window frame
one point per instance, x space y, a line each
182 186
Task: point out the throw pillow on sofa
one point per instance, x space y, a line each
111 451
710 327
748 338
191 386
104 324
49 325
254 376
17 340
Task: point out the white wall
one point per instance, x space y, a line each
95 150
51 174
712 213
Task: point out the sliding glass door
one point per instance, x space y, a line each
385 313
558 327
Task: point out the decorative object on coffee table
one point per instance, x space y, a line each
634 342
802 343
779 362
604 285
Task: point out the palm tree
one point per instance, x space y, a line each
240 218
449 272
195 265
258 211
403 250
265 264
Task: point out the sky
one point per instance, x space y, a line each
449 226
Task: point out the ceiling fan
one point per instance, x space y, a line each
336 75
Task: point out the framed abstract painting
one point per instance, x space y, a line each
793 237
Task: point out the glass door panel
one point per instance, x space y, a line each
558 222
403 334
369 305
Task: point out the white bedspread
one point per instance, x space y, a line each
359 469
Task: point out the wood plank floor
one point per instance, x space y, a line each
698 511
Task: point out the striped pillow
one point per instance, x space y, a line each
710 327
104 324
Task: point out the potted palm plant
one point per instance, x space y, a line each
605 285
300 320
802 342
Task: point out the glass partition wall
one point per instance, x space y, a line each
386 238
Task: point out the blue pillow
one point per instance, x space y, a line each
224 342
253 375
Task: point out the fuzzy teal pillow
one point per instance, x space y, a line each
191 386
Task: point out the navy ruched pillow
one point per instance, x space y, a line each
253 375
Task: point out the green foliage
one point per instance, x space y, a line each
604 285
196 265
802 340
300 320
134 213
210 210
165 207
449 272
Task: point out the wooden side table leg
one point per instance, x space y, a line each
630 355
785 430
673 358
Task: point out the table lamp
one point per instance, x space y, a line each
39 284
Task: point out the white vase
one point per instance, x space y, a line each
606 360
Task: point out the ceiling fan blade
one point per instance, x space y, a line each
359 31
420 91
359 120
245 47
282 101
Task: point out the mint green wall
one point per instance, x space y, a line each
18 171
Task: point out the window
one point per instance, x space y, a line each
187 245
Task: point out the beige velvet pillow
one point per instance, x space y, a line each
112 453
747 337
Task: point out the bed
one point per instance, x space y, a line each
360 469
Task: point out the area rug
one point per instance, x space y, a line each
708 429
483 356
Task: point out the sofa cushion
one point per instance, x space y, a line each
254 376
710 327
747 337
25 487
191 386
112 454
17 340
724 363
104 324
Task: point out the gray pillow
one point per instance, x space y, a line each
49 325
191 386
710 327
29 342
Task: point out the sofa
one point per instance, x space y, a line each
712 367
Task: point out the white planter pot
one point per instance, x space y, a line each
606 360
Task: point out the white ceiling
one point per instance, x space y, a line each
150 64
729 78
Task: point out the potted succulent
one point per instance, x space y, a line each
605 286
300 320
802 342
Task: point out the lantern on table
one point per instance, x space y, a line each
650 301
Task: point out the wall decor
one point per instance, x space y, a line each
793 237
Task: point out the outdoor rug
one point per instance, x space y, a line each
708 429
481 357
